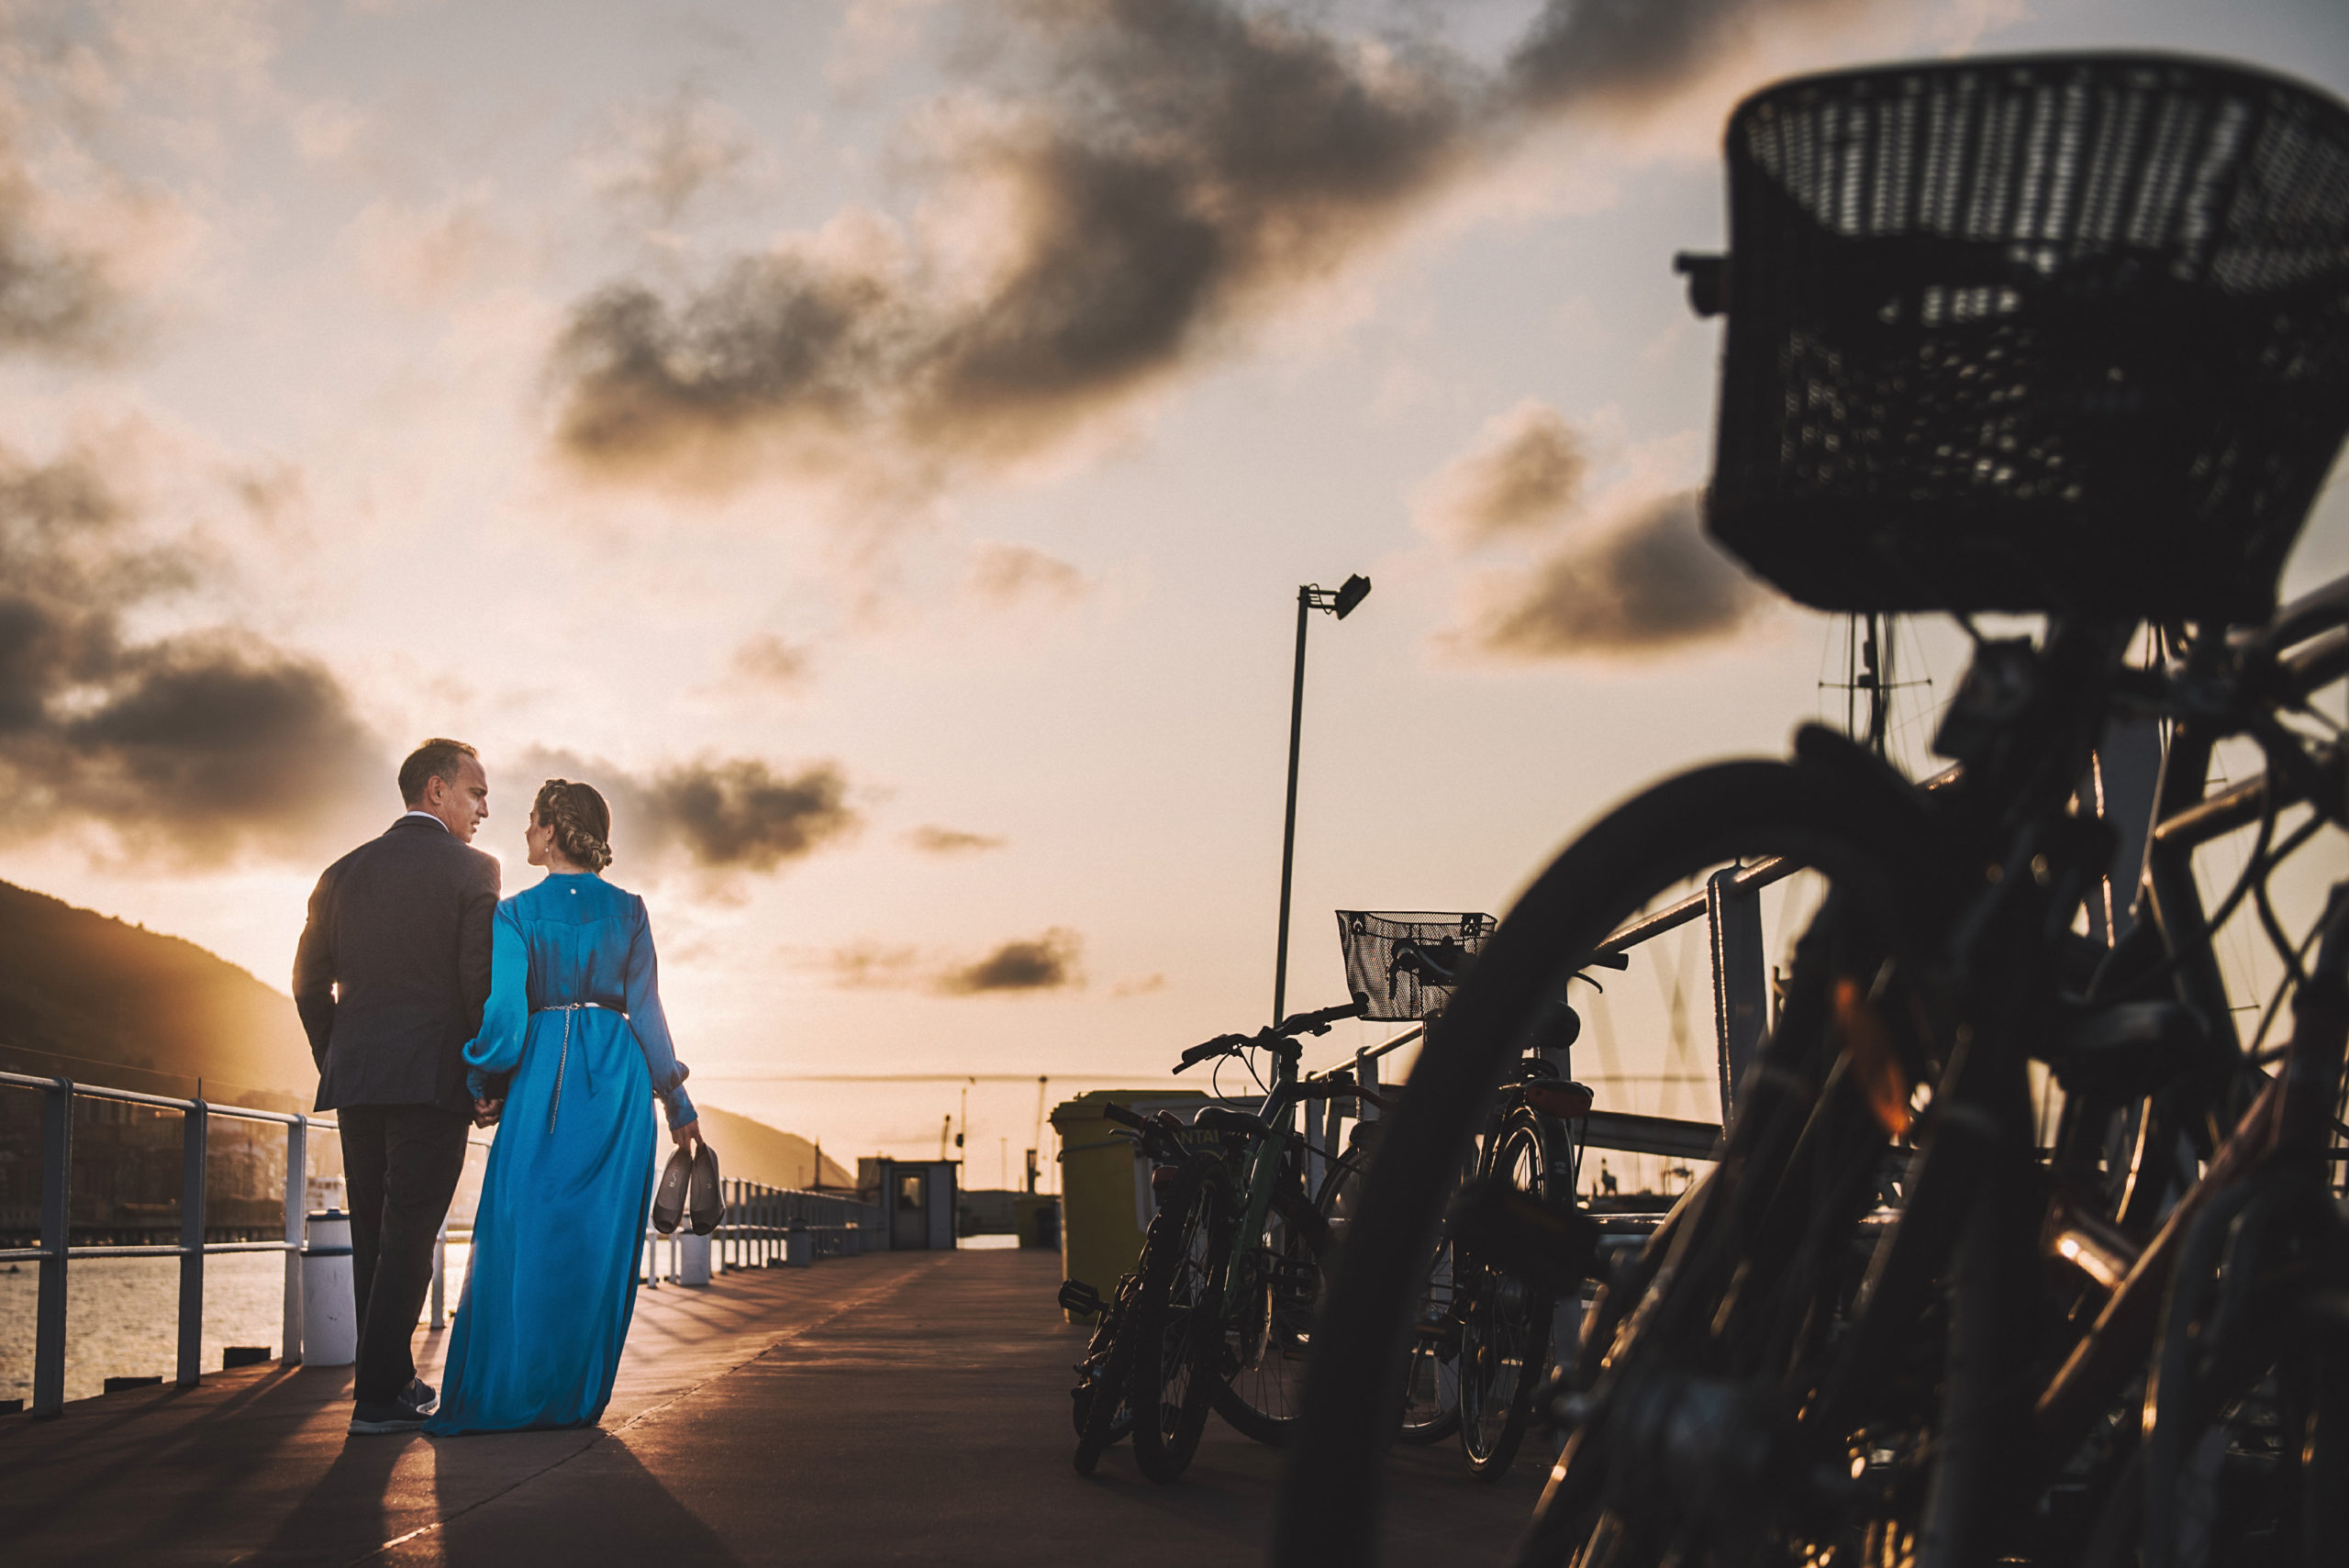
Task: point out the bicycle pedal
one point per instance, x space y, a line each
1079 1297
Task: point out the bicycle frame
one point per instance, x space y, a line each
1978 1096
1262 1163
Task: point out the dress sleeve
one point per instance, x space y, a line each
651 1024
505 1018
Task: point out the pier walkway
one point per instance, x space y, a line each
898 1408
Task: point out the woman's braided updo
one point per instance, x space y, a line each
581 821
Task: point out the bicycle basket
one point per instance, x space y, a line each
2040 334
1405 966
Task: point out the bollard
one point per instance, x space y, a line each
693 1258
329 1315
799 1248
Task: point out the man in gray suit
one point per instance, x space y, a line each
390 979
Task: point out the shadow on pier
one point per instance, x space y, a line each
893 1408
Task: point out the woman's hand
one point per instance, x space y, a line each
683 1135
486 1112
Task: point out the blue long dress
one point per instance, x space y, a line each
574 1016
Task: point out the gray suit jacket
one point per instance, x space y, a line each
393 968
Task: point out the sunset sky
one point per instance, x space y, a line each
879 445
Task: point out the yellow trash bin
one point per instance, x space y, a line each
1105 1181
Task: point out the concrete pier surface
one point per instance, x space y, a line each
901 1407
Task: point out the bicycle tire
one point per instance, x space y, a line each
1505 1323
1177 1346
1822 810
1270 1325
1431 1411
1105 1411
2245 1457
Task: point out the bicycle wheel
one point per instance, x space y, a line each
1504 1321
1104 1398
1268 1324
1431 1375
1178 1348
1801 1244
2246 1455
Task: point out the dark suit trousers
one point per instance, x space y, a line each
402 1163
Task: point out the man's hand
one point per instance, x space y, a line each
486 1112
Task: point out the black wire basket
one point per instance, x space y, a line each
2063 334
1405 966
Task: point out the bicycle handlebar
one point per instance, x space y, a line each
1221 1045
1295 1024
1316 1022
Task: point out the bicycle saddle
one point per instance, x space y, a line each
1223 1118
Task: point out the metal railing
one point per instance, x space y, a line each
760 1222
56 1249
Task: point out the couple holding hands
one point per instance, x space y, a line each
432 1005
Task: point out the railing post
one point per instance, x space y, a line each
1366 1074
56 1215
440 1278
194 1127
1740 985
297 1204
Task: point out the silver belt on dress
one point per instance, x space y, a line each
554 1106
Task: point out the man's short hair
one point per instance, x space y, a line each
436 758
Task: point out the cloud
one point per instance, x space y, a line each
1042 963
662 157
1626 56
1007 575
935 841
767 659
423 257
57 298
716 814
740 814
1649 583
197 744
1147 179
1021 966
1526 472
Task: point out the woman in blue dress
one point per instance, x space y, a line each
575 1017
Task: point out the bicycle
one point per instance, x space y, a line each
1231 1273
1847 1342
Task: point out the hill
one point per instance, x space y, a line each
753 1152
87 997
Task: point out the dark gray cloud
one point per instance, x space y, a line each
1526 472
740 814
1629 53
715 815
1040 964
1024 965
197 745
1171 169
932 839
1651 584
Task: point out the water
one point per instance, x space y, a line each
122 1316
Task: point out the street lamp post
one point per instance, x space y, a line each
1340 601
